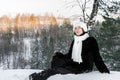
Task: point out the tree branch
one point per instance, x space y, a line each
93 13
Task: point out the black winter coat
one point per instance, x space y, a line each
90 55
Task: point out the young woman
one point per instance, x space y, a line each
81 57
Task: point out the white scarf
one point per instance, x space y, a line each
77 47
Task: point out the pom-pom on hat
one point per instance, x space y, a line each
78 23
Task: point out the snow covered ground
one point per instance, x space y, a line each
22 74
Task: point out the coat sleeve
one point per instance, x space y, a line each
97 58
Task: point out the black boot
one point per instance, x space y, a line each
33 76
44 75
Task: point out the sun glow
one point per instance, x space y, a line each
28 21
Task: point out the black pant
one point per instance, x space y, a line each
58 64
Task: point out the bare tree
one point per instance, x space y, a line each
89 8
93 13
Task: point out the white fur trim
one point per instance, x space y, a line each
80 24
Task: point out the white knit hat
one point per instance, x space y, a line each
80 24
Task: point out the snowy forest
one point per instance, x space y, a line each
29 49
33 45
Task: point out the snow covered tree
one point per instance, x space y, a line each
36 55
107 34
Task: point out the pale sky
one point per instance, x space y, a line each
55 7
12 7
40 7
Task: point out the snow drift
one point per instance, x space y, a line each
22 74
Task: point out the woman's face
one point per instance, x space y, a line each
78 30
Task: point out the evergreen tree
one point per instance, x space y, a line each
36 56
108 37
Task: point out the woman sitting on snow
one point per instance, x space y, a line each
83 53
